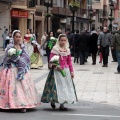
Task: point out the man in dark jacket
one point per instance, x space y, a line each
113 51
83 45
116 45
104 41
75 46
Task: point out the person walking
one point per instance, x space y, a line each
51 41
116 46
113 51
17 90
27 41
60 88
76 46
8 39
44 42
105 39
36 57
4 35
93 46
83 45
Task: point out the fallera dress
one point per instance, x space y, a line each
59 89
14 93
36 58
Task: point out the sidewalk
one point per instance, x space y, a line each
1 51
93 83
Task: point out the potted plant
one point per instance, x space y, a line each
91 20
111 18
74 5
48 15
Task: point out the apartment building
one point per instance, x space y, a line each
63 16
103 11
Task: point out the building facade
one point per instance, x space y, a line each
63 16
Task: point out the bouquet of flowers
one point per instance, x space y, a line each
13 51
52 42
55 61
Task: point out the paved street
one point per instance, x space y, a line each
98 91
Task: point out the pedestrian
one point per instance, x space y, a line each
105 39
8 39
116 46
70 40
43 40
93 46
58 88
4 35
36 57
83 47
27 41
59 31
100 49
113 51
51 41
17 90
76 46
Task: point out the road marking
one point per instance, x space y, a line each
89 115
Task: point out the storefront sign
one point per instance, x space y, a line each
19 13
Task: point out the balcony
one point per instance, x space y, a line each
9 1
61 11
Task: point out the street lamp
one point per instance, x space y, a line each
74 6
111 17
90 21
47 3
102 20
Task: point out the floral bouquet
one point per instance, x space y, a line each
55 61
52 42
13 51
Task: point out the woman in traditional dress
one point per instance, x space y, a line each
17 90
59 89
27 41
36 57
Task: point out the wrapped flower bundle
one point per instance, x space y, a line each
13 51
55 61
52 42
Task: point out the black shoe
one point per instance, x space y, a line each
103 65
53 105
106 65
62 108
23 110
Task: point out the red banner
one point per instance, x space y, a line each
19 13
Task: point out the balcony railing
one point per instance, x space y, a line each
61 11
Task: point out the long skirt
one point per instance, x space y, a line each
59 89
15 94
28 48
36 60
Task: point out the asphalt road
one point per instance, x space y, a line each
80 111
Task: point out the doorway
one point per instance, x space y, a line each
14 24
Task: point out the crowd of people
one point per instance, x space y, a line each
17 90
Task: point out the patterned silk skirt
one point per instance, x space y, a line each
15 94
59 89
